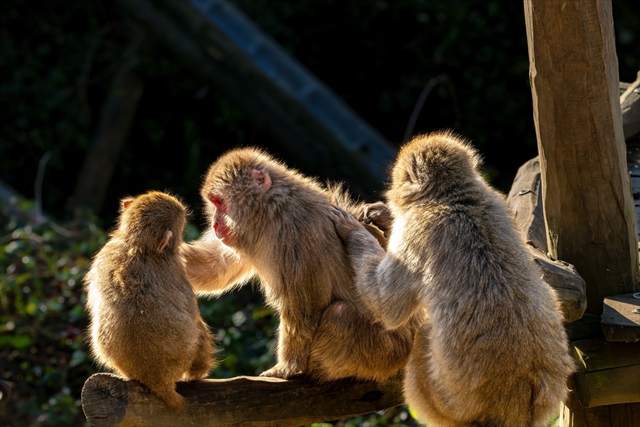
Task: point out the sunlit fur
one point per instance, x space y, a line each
284 234
145 322
493 351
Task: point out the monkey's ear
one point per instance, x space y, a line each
261 178
165 240
125 203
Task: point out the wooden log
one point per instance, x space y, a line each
109 400
608 373
621 318
525 200
630 105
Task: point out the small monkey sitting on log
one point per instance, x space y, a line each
493 351
271 221
145 321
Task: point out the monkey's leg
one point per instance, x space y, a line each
295 334
203 360
349 343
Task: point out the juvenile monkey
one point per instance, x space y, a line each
272 222
144 317
493 351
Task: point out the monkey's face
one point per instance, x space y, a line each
220 221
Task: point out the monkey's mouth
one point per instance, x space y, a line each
223 233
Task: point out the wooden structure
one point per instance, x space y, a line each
588 206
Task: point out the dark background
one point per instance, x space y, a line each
58 59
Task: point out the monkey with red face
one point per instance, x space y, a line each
272 222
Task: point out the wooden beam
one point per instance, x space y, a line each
621 318
525 200
109 400
588 208
608 373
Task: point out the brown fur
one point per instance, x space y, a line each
278 225
493 351
145 322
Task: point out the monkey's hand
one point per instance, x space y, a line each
345 223
282 371
377 214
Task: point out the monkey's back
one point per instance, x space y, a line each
142 310
494 344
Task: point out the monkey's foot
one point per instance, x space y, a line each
282 371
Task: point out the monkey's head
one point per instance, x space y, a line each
153 222
241 191
430 166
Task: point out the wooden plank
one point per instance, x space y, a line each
608 373
598 354
609 387
108 400
574 413
621 318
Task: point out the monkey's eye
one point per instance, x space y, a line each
217 201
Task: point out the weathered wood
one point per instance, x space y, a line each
621 318
588 208
525 200
573 413
108 400
566 282
630 105
608 373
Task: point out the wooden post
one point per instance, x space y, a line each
588 208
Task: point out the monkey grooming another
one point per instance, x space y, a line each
271 221
144 318
493 351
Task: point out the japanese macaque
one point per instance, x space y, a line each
493 351
145 321
272 222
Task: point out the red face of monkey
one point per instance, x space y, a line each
219 222
222 222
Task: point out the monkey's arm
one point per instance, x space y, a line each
213 267
386 286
